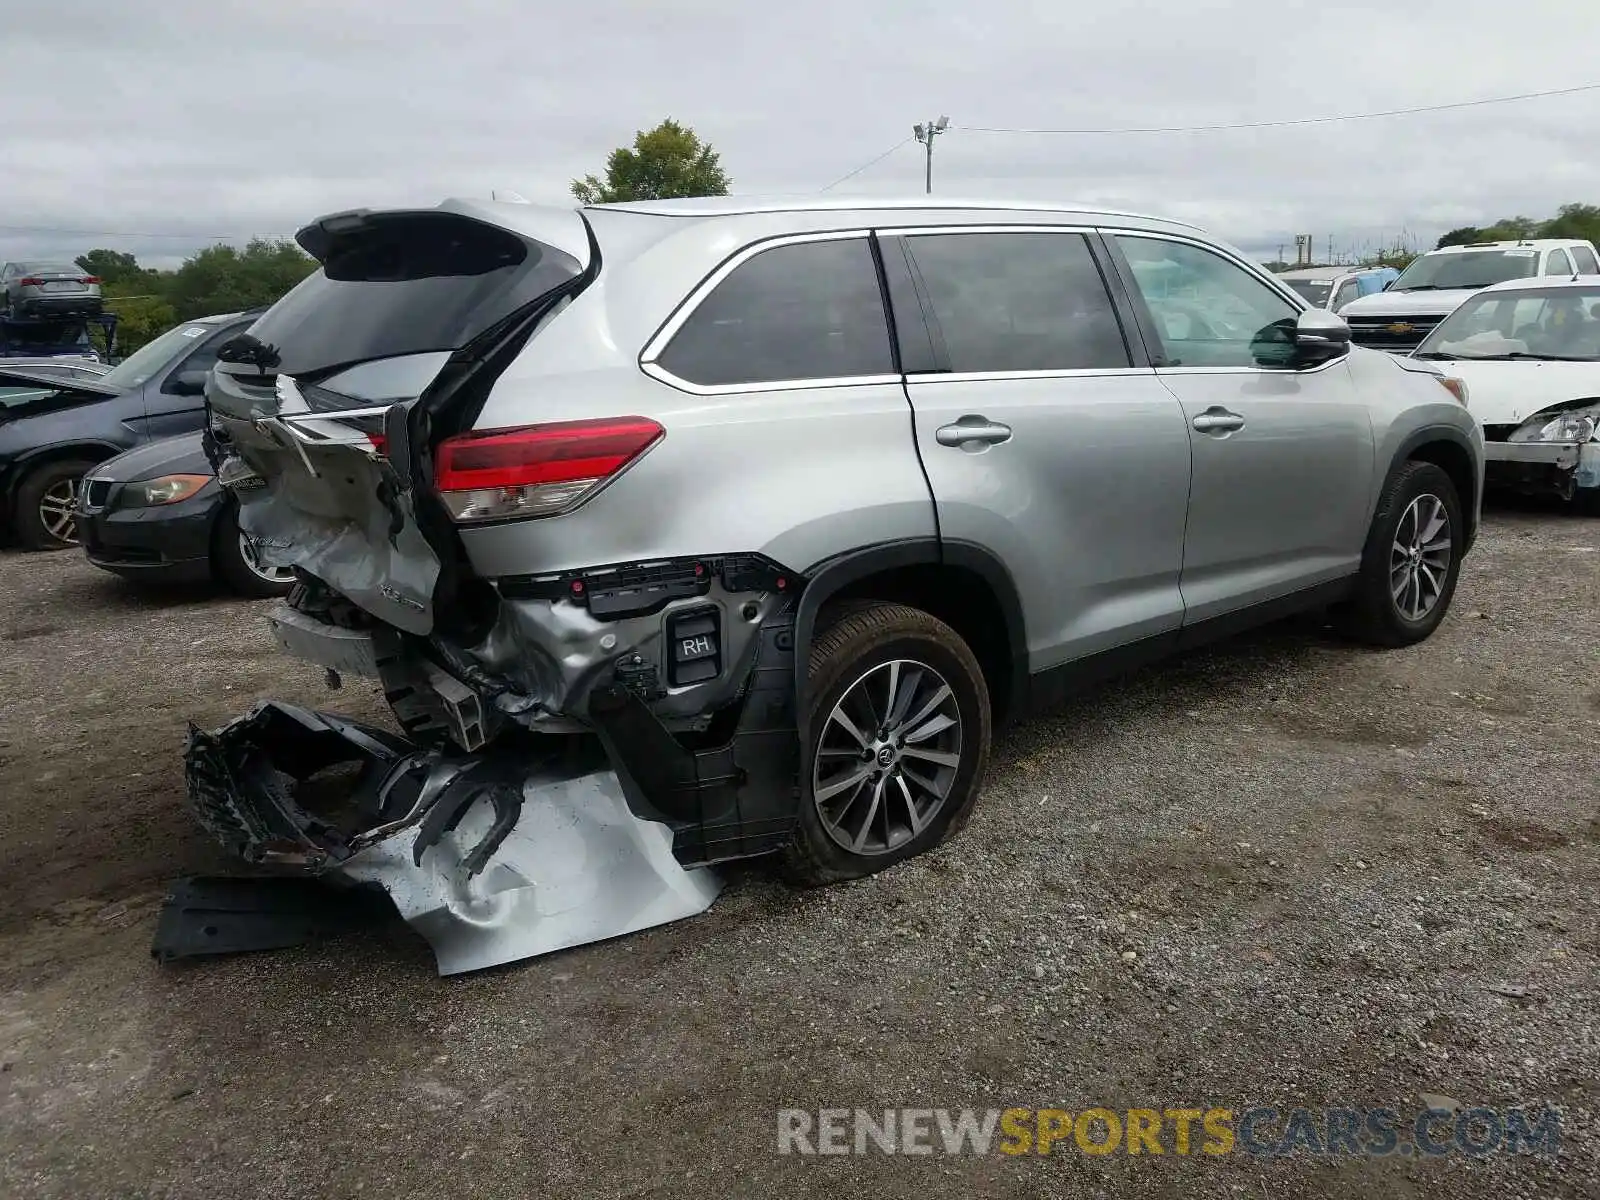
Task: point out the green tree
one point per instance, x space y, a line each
1460 237
113 267
227 279
139 320
663 162
1574 221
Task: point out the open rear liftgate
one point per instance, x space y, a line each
515 850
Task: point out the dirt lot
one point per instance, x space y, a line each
1282 872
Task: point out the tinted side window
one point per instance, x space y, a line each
1559 263
1584 257
1348 291
204 358
1018 301
1209 311
812 310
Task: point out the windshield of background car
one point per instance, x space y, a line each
1468 269
1314 290
409 283
1553 322
154 356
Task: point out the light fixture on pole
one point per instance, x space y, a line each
925 135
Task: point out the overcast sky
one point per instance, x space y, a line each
194 119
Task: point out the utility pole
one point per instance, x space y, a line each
925 135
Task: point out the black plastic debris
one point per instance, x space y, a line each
207 916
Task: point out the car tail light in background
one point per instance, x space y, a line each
29 281
90 279
537 470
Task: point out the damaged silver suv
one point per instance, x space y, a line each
782 507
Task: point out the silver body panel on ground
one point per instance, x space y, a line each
578 868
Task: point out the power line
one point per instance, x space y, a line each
123 233
1366 116
870 163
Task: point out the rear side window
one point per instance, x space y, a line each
1018 302
1584 257
406 283
803 312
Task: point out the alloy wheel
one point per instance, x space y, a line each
1419 561
58 511
251 553
887 757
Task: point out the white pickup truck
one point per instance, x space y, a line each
1399 317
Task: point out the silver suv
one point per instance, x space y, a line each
791 503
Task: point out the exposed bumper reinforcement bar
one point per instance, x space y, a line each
494 857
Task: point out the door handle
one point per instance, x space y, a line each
1218 420
973 429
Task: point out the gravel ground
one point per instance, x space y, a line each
1283 872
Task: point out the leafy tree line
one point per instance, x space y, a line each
667 161
219 279
1570 221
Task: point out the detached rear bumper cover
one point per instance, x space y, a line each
492 858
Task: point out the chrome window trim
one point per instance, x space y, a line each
929 230
657 371
1256 370
1060 373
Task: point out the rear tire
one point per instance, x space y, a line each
899 724
231 562
46 500
1411 562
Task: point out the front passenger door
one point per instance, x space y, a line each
1282 458
169 410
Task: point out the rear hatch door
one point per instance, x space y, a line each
322 414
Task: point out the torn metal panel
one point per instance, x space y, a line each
492 857
578 867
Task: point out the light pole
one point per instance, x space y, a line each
925 135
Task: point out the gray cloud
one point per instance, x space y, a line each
191 119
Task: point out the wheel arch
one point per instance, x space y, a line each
1449 449
962 584
25 464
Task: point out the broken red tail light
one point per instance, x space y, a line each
537 470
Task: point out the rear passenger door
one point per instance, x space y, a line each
1043 438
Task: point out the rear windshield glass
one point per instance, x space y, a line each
407 284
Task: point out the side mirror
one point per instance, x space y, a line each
188 383
1319 336
1314 337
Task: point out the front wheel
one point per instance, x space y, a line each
1411 562
899 725
47 505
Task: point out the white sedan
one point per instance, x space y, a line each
1529 353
